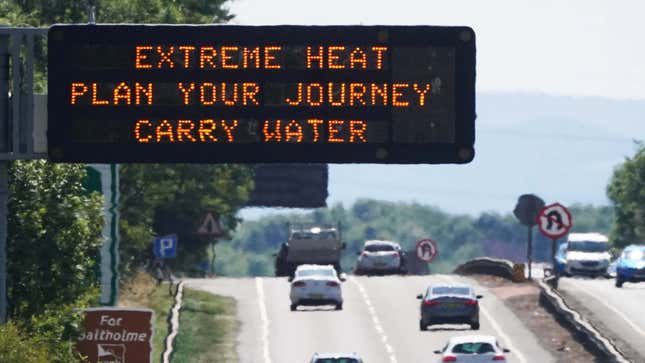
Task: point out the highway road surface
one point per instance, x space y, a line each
380 321
620 311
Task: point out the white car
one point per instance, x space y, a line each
380 257
472 349
587 254
316 285
336 358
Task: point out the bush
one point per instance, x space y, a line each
17 346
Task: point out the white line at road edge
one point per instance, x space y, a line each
265 321
616 311
377 322
498 330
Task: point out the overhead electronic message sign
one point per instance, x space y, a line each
219 93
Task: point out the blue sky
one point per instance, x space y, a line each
588 52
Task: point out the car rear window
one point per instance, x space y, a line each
336 360
450 291
588 246
378 248
473 348
315 273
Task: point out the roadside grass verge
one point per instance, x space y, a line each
142 292
207 329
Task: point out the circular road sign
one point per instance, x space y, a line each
427 250
554 221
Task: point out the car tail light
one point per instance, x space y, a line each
332 284
499 357
449 359
471 302
431 303
298 284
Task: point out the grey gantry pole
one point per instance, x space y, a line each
4 166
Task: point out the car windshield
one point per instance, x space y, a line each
324 235
473 348
588 246
379 248
336 360
635 254
450 291
307 273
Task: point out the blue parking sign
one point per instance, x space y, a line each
166 246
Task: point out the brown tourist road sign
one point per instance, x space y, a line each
117 335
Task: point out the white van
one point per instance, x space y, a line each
587 254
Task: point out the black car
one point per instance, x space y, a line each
448 304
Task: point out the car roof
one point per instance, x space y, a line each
314 267
587 237
472 338
336 355
635 247
375 242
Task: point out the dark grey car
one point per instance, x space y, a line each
447 304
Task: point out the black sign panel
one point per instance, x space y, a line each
289 185
340 94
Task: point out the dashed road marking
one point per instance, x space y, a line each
375 320
497 328
264 317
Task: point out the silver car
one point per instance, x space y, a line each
380 257
449 304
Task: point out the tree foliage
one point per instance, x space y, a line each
627 191
54 236
459 237
53 240
47 12
163 199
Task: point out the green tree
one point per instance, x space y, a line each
53 240
627 191
172 198
46 12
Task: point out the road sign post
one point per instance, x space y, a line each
526 211
210 227
426 250
554 221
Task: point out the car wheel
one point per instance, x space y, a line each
422 326
474 326
619 282
339 306
294 307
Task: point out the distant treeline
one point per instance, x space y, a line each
459 237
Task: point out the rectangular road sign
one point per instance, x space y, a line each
166 246
117 335
215 93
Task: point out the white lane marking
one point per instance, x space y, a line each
376 321
612 308
498 329
264 317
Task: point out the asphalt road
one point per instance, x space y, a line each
379 321
621 311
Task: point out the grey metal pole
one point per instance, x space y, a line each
529 252
4 166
